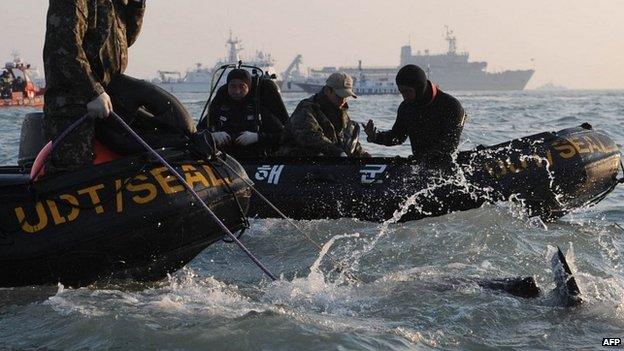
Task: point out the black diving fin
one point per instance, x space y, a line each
566 288
566 291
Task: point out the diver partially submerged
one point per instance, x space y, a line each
566 292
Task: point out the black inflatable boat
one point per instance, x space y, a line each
127 218
551 173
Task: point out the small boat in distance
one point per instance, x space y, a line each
17 88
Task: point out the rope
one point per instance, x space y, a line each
194 193
240 207
58 140
213 88
339 264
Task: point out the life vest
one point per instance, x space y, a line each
236 118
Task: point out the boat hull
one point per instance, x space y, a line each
124 219
22 101
551 173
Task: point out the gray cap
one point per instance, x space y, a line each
341 83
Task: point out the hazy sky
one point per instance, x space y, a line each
575 43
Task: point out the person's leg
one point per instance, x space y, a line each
75 151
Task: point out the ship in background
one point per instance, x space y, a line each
453 71
26 85
450 71
198 80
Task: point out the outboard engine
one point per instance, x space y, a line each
31 140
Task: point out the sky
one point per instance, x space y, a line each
575 43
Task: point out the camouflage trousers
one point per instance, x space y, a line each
75 151
166 123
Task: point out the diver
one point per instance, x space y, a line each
566 292
247 116
85 55
320 124
432 119
6 85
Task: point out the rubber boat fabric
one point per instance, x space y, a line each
551 173
127 218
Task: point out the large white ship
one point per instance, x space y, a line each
451 71
198 79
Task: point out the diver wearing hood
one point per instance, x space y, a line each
432 119
242 123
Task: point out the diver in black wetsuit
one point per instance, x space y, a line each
432 119
247 116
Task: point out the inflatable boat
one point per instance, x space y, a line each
127 218
549 173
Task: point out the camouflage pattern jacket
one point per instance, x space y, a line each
317 127
86 44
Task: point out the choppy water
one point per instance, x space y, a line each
416 292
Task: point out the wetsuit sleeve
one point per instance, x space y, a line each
309 134
134 19
65 30
449 141
270 130
395 136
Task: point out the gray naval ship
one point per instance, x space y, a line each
450 71
453 71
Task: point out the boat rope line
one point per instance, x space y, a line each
55 143
58 139
227 185
194 193
240 207
213 86
339 264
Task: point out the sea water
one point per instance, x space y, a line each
414 288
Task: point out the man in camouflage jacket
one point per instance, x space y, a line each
320 124
86 46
